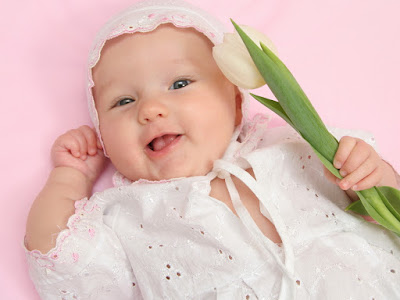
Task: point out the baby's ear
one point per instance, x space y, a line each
238 101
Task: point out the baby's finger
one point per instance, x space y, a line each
369 181
67 142
332 178
358 155
91 139
346 145
99 146
79 136
362 172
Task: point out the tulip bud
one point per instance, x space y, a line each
235 62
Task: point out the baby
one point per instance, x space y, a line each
208 203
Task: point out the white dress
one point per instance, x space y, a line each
171 240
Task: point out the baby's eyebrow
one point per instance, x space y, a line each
105 83
104 86
103 90
180 61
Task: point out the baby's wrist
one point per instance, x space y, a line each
69 177
390 177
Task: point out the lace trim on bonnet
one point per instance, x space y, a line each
146 16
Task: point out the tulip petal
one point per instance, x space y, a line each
237 66
234 40
257 37
235 61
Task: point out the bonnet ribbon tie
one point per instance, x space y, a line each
223 170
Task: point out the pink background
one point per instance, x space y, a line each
345 54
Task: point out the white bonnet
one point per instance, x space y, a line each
145 16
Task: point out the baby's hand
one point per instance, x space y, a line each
360 166
80 149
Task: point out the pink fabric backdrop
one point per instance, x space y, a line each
344 54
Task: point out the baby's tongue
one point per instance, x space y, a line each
162 141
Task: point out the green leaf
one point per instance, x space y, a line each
275 107
358 208
382 204
386 193
372 203
375 214
288 75
393 196
376 208
291 98
327 164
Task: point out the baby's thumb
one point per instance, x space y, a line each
332 178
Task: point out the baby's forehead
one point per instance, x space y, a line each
173 43
167 49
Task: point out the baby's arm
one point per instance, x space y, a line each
78 161
361 167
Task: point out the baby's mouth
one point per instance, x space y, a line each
161 142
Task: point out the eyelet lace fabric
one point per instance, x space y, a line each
85 253
171 240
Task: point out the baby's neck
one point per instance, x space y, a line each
220 192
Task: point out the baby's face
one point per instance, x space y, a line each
165 108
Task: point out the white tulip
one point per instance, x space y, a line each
235 61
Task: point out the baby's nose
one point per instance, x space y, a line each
151 110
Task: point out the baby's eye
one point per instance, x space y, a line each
179 84
124 101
